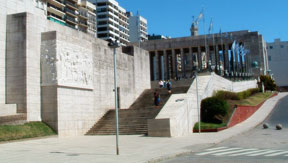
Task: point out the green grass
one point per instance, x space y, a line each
28 130
204 125
254 99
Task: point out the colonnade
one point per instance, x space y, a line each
177 63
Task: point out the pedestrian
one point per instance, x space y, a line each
156 98
169 86
161 84
164 84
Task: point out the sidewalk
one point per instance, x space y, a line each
134 148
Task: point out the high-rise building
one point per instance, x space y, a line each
278 60
76 14
123 26
112 21
137 28
87 17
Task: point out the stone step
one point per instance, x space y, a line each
134 120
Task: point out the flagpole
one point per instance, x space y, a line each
205 39
214 48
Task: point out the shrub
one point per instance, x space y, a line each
254 91
269 83
226 95
213 110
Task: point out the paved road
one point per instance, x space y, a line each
257 145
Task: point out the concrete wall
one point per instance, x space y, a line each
86 69
80 73
6 8
181 109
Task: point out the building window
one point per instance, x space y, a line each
282 46
271 47
269 58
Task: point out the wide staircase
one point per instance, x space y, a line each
133 121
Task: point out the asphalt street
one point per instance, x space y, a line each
257 145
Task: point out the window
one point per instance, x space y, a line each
271 47
282 46
269 58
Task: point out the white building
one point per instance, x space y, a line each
137 28
278 61
112 21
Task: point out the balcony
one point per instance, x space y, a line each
83 24
57 3
88 5
71 12
56 19
55 10
75 1
83 15
71 20
71 5
71 26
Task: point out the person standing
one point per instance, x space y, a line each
156 98
169 86
161 84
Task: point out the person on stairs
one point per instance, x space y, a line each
156 98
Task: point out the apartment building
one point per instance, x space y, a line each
123 26
137 28
112 21
77 14
56 11
87 18
278 61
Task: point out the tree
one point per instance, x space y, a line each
269 83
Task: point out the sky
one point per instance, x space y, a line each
174 17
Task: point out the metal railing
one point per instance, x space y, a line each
71 19
70 11
71 4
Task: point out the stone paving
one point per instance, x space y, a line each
135 148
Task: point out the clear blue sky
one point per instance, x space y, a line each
174 17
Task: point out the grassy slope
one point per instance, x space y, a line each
255 99
250 101
28 130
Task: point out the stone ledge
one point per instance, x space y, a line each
8 109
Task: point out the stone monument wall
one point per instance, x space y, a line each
78 80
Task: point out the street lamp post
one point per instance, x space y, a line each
198 104
115 44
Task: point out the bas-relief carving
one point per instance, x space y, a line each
72 67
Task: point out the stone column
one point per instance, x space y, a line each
154 66
166 71
199 57
174 64
157 65
183 70
161 68
191 54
